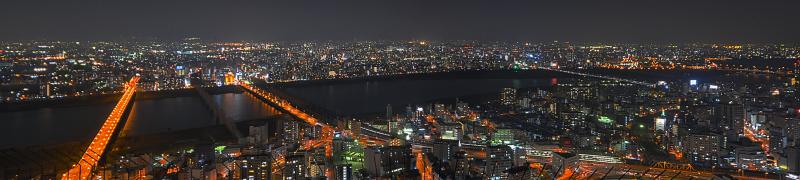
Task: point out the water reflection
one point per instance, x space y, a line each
372 96
57 125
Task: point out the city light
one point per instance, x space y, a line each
396 108
604 119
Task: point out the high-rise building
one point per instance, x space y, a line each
577 90
793 132
295 167
180 70
778 138
291 131
508 96
344 172
388 112
702 147
256 167
503 136
730 116
439 109
660 124
259 134
499 158
445 149
750 157
460 165
316 162
793 159
382 161
451 131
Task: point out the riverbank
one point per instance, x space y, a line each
490 74
128 144
645 75
186 138
109 98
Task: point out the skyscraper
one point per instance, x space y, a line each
500 158
388 111
381 161
508 95
730 116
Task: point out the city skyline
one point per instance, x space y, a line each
426 109
428 90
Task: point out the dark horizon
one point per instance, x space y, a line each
576 21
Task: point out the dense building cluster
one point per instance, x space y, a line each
742 124
42 70
743 118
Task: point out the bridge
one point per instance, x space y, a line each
99 145
590 166
283 105
787 71
93 154
217 112
652 85
658 170
326 136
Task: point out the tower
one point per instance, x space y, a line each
388 111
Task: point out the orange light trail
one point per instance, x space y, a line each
93 153
568 172
424 167
676 153
764 141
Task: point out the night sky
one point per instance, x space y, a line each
511 20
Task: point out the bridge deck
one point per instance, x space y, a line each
97 148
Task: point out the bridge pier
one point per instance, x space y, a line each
216 112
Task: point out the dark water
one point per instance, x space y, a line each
62 124
365 97
57 125
372 96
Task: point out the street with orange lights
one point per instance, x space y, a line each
568 173
752 137
424 166
82 169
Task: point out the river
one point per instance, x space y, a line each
62 124
346 97
372 96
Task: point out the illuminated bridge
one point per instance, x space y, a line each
326 137
102 140
282 104
658 170
602 77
